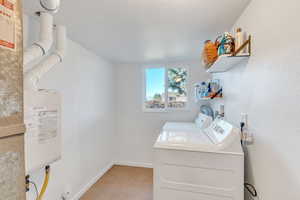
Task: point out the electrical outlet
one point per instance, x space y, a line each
246 135
249 138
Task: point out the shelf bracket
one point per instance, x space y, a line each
247 42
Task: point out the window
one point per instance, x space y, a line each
165 88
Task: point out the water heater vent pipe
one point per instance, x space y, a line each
33 76
50 5
40 48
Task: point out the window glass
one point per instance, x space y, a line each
155 88
166 88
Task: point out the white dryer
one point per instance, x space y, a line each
199 164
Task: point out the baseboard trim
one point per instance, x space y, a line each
134 164
78 195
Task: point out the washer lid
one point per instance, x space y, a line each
181 126
184 140
202 122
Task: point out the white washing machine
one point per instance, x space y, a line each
201 122
199 164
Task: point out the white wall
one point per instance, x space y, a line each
267 88
138 130
86 84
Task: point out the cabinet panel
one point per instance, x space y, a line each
12 172
11 67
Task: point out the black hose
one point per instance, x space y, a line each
251 189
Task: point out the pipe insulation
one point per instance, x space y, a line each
41 47
33 76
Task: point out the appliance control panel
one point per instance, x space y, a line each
219 130
203 121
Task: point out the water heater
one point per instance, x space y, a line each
42 117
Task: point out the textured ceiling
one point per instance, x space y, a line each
142 31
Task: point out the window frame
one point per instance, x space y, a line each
166 67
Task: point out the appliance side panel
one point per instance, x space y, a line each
197 175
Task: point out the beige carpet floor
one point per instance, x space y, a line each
123 183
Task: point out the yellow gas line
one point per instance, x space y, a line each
45 185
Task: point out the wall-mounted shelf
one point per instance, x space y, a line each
226 62
208 90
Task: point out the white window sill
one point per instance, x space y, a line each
147 110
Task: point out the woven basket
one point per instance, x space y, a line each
210 53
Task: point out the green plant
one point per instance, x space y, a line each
177 80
